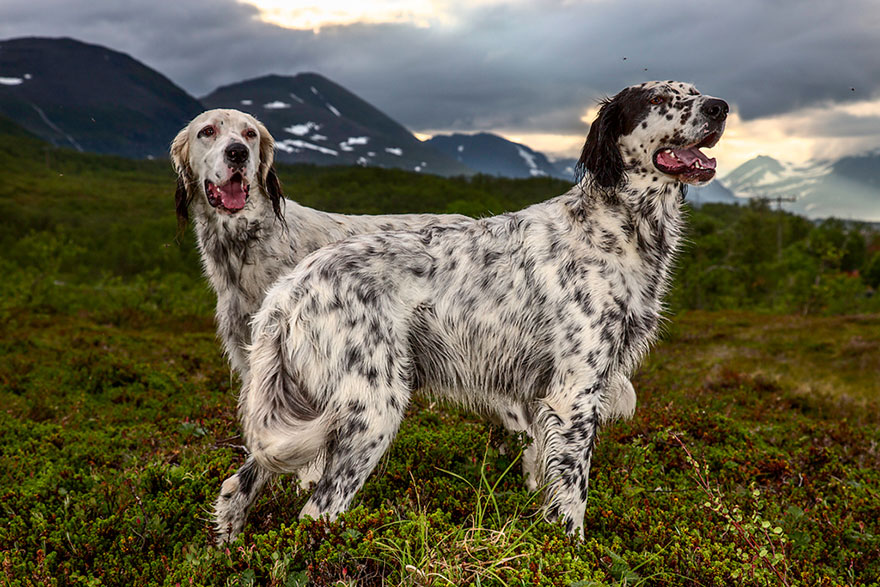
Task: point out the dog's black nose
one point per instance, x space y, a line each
716 109
236 154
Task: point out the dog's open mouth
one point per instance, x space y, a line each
230 196
688 163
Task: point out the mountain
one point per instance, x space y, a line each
766 177
714 193
493 155
565 167
90 98
317 121
847 188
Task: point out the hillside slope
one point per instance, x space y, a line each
90 98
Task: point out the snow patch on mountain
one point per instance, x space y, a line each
276 105
297 145
529 158
303 129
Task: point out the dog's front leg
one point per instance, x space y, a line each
567 424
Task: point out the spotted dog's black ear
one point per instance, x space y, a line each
601 156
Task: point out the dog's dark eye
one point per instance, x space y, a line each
657 100
208 131
250 133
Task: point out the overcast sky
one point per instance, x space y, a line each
802 76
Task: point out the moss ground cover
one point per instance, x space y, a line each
746 463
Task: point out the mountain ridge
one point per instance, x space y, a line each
848 187
123 107
315 120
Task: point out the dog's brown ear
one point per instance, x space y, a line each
601 156
180 161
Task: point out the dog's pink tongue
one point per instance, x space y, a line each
232 195
689 156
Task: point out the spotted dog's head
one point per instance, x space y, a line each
654 130
226 158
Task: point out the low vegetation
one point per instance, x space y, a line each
752 459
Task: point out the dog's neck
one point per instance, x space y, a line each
228 246
655 209
650 221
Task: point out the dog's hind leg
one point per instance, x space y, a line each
237 494
365 430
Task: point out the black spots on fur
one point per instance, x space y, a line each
323 493
352 425
297 403
394 404
490 257
247 474
584 302
353 358
541 368
355 362
567 272
367 291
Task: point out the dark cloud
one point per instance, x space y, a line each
529 66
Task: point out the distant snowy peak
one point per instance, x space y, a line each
767 177
494 155
845 188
